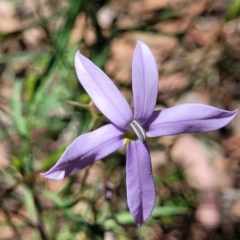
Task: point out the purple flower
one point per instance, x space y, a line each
145 122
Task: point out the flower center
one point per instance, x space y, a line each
138 129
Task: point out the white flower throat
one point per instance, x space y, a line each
139 131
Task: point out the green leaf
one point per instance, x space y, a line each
233 10
16 104
167 211
62 37
29 205
100 58
166 14
52 159
30 86
55 198
65 204
126 218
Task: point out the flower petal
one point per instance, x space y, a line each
187 118
140 185
85 150
145 82
103 92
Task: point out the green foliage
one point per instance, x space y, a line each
48 108
234 10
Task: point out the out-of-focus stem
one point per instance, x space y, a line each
39 225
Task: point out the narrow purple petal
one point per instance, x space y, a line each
145 82
187 118
140 185
103 92
85 150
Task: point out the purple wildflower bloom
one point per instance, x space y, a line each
145 122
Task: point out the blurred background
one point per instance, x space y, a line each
43 108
